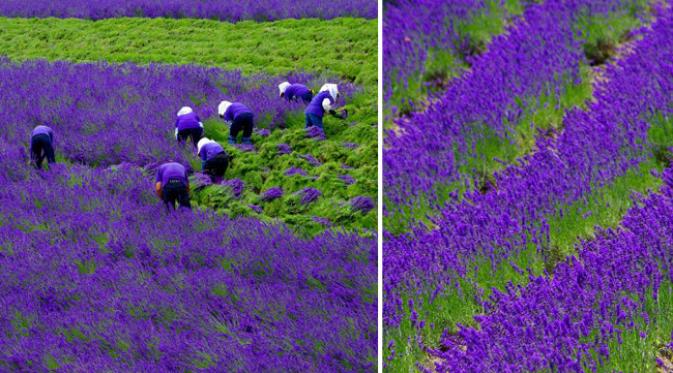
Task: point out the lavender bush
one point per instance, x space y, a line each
232 11
568 321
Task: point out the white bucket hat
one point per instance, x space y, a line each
222 107
282 87
333 89
185 110
201 143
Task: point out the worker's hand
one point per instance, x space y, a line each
158 189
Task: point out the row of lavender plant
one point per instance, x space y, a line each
126 113
596 146
232 11
412 29
96 276
566 323
538 55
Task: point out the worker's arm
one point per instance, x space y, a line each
158 189
328 105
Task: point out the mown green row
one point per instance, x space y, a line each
346 47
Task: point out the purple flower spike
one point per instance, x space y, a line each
315 132
309 195
284 149
362 203
295 171
272 193
237 186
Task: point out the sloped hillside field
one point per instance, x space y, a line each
533 233
98 276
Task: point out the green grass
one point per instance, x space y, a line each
346 47
604 207
265 169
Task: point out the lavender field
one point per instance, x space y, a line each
533 233
273 269
231 11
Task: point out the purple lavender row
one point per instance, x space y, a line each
228 10
126 113
538 54
414 27
596 146
565 323
95 276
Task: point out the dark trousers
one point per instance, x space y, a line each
243 123
40 148
313 120
216 166
194 133
175 191
307 97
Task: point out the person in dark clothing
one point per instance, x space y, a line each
214 160
295 92
42 146
172 185
240 119
188 125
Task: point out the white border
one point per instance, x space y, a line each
380 192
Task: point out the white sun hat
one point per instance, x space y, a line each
222 107
282 87
333 89
201 143
185 110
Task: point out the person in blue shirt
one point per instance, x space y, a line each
188 125
324 101
295 92
214 160
239 118
42 146
172 185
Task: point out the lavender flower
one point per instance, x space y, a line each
315 132
231 11
237 186
309 195
284 149
362 203
295 171
272 193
